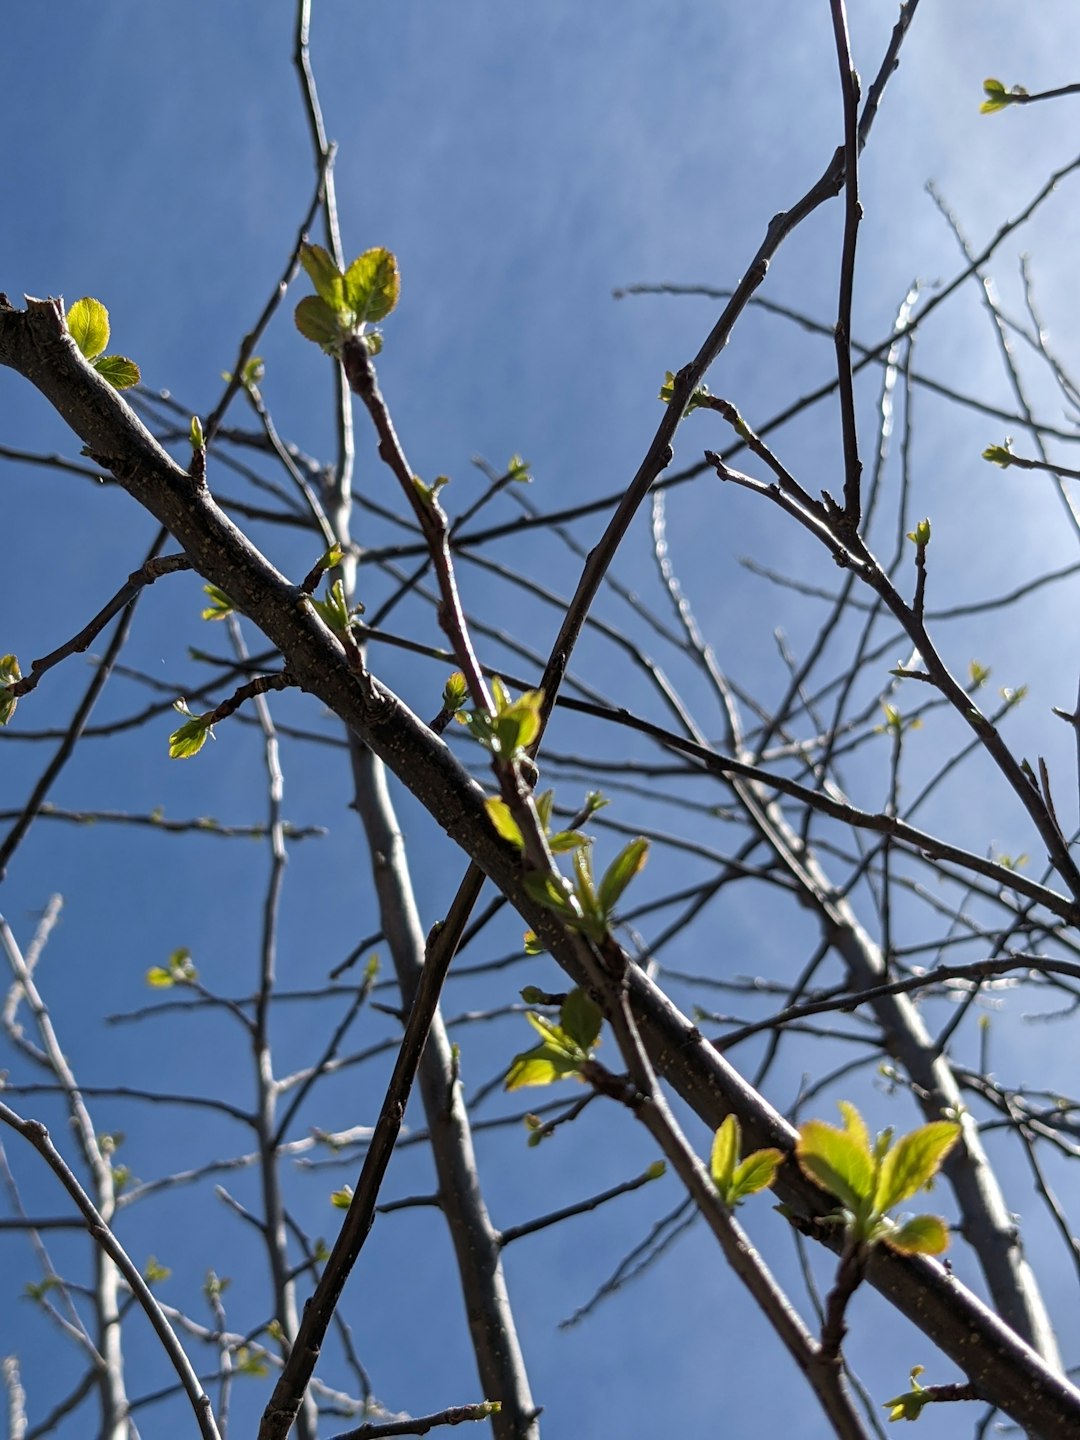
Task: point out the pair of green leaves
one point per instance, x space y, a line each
871 1178
998 98
88 325
564 1046
345 301
737 1178
180 970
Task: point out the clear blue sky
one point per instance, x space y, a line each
522 162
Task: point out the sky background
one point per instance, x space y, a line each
523 164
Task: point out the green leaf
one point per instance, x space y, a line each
757 1172
997 97
541 1066
88 325
504 822
629 861
838 1160
533 944
372 285
158 978
913 1161
455 692
342 1199
581 1018
999 455
324 275
517 470
727 1142
155 1273
316 321
191 736
922 1235
9 674
195 434
854 1124
220 604
120 372
920 536
563 841
908 1406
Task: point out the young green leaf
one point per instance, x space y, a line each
727 1142
220 604
910 1405
999 455
191 736
757 1172
912 1162
9 674
504 822
324 275
455 692
541 1066
921 1235
837 1159
342 1199
316 321
88 325
735 1179
581 1018
118 370
628 863
372 285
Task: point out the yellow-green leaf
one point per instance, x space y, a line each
541 1066
189 739
504 822
757 1172
316 321
372 285
581 1018
118 370
922 1235
838 1160
88 324
727 1142
912 1162
628 863
9 674
220 604
324 275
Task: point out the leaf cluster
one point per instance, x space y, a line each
88 325
872 1178
565 1046
345 301
737 1178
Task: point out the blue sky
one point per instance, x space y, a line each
522 163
